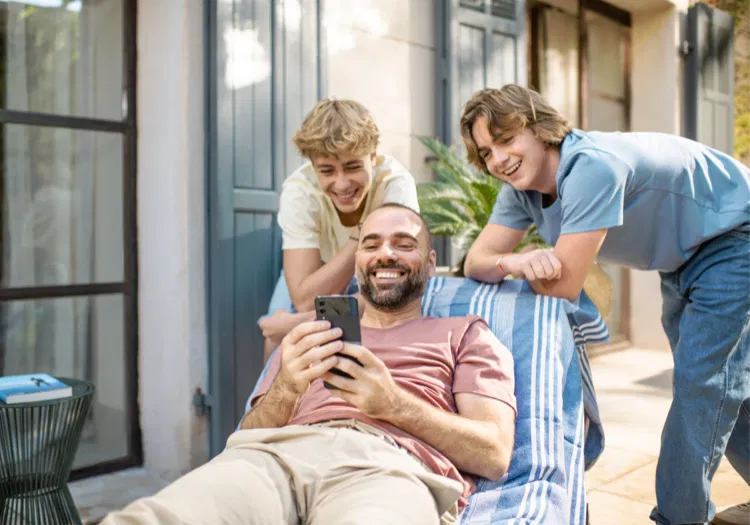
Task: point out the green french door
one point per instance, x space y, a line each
264 73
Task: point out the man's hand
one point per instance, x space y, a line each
481 446
531 265
372 388
307 353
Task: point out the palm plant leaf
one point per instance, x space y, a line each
463 239
486 194
444 229
448 166
442 213
440 193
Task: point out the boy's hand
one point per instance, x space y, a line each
531 265
277 325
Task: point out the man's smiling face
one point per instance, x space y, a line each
394 259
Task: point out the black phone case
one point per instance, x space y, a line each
342 311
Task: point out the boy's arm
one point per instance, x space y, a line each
307 278
301 220
493 241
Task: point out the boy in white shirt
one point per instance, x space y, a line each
322 205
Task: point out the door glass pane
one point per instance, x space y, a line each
706 49
477 5
723 49
62 56
504 9
471 63
607 115
558 72
62 206
79 337
607 71
606 47
501 69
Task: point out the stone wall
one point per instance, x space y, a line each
382 54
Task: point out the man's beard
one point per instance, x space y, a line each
396 296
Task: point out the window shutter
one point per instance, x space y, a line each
709 78
480 43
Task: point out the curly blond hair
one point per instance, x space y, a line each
510 110
334 127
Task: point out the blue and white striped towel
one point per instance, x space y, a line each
554 392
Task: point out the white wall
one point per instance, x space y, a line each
656 71
382 54
171 203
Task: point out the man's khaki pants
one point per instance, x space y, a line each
334 473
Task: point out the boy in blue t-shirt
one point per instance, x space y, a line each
649 201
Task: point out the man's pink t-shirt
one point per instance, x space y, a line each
432 358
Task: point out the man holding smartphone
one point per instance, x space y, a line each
322 205
429 408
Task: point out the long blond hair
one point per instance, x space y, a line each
510 110
334 127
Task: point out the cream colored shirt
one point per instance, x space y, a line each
308 217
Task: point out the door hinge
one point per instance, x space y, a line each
201 402
685 48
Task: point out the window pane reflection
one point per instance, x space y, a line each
504 9
477 5
606 55
62 57
79 337
558 60
62 205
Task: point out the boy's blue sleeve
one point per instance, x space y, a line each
509 210
592 192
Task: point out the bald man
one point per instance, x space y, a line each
401 442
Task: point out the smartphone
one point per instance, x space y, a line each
342 311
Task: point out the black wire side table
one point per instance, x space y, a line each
38 442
